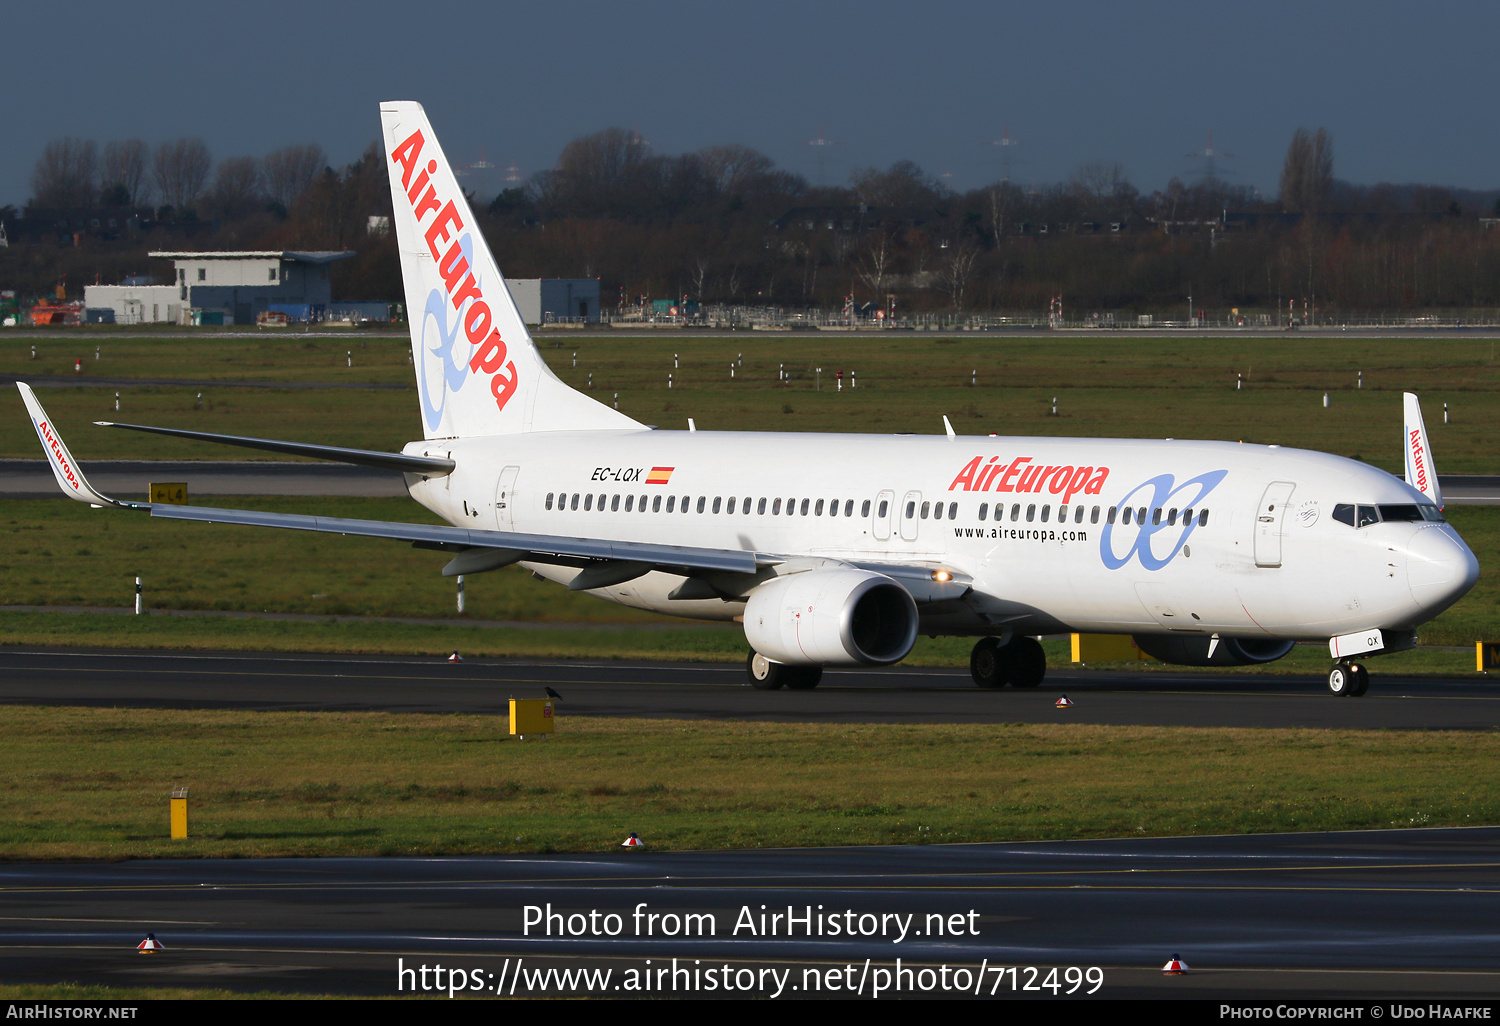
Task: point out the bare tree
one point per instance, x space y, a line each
875 264
733 168
903 184
1102 183
125 167
66 174
957 270
180 170
1307 172
290 170
698 276
236 190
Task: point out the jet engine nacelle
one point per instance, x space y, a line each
1194 650
839 616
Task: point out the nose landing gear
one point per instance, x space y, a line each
1021 663
1348 678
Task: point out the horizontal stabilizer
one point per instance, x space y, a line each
432 466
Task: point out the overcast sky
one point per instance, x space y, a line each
1406 90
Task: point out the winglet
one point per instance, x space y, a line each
69 477
1421 472
948 427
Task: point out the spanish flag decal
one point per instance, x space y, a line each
660 475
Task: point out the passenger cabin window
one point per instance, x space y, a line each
1156 515
549 500
1031 513
849 507
671 503
656 503
776 508
760 507
730 507
864 508
717 502
1015 512
1203 518
804 507
702 501
1094 516
588 501
1046 513
1062 514
573 503
952 511
911 509
818 510
1112 511
984 509
1126 514
926 508
1172 517
1078 514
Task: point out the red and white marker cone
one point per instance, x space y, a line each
150 945
1176 967
455 658
1064 702
632 842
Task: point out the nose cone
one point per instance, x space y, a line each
1440 568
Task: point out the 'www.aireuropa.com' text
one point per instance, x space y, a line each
683 976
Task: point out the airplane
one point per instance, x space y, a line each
840 549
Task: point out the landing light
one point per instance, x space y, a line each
942 576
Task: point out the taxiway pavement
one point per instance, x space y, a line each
719 691
1349 915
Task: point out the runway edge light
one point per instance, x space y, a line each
1176 967
150 945
632 842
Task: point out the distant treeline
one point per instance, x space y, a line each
725 225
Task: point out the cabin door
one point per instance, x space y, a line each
1270 519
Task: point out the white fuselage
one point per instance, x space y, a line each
1268 558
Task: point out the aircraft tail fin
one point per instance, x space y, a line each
1421 471
478 370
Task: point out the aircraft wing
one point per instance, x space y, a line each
430 465
477 550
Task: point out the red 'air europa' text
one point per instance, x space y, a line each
442 235
1419 463
1022 475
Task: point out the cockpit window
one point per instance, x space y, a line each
1364 516
1412 512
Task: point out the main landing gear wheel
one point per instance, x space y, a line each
984 664
1025 664
1021 663
1350 679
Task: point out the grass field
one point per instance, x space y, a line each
93 783
1108 386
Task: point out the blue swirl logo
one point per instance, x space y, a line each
441 354
1158 493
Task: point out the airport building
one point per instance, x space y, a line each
556 300
223 288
